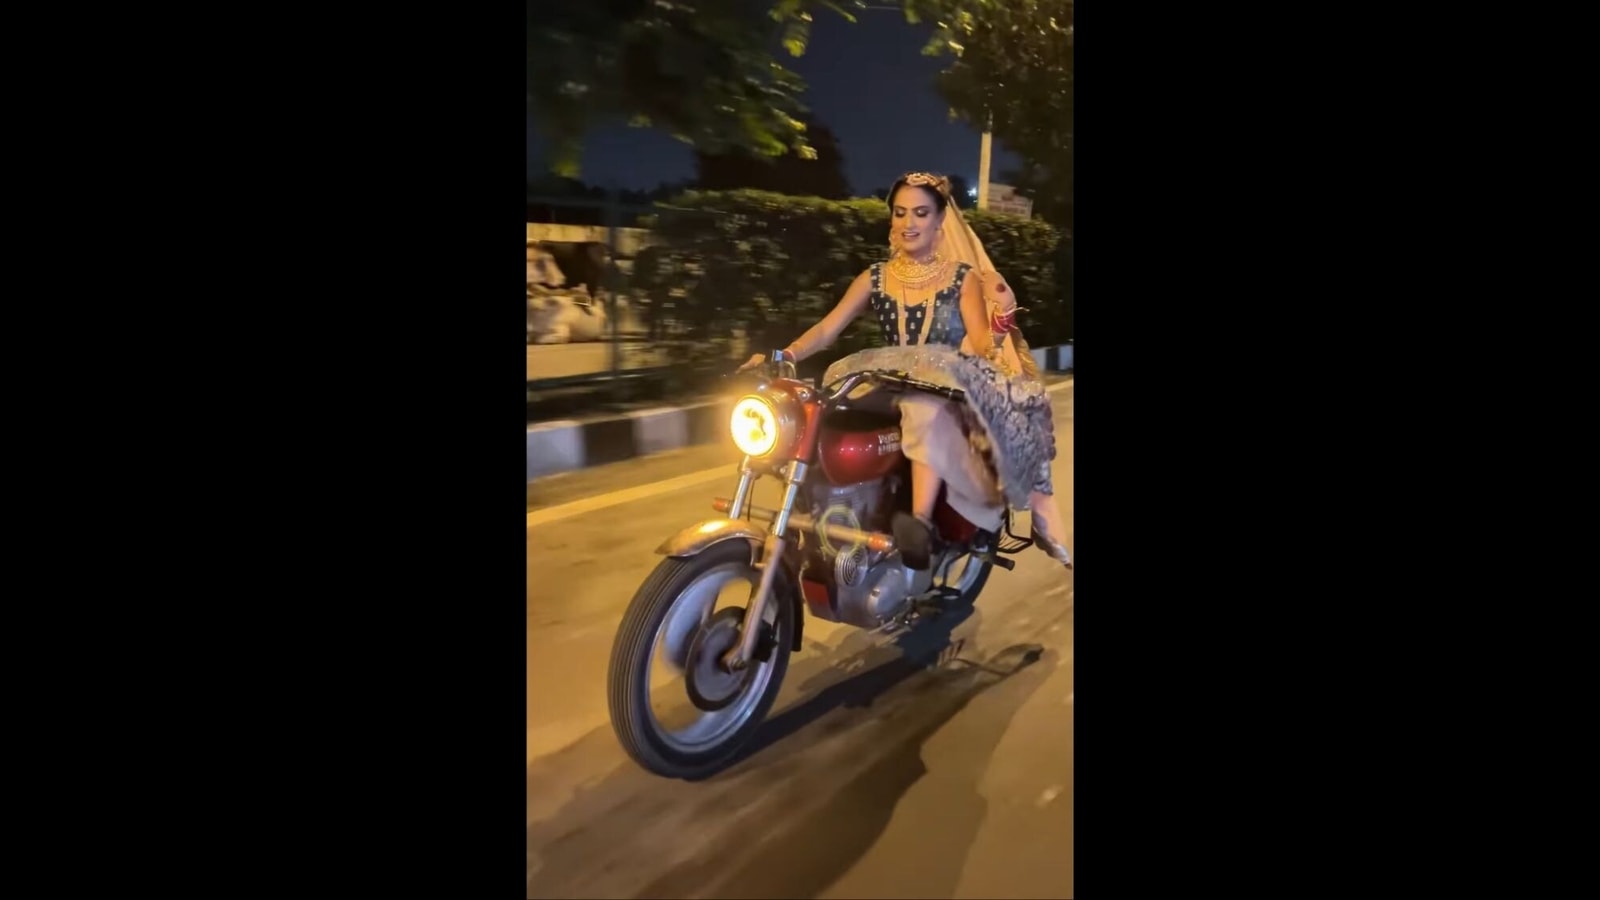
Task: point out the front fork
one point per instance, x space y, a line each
739 656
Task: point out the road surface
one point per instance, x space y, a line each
936 765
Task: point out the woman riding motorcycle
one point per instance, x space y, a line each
948 316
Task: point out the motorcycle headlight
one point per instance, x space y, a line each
755 426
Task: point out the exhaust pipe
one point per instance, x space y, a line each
875 541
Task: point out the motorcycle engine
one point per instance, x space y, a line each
880 594
870 587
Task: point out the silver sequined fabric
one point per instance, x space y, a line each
1013 411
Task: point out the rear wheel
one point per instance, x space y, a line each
961 578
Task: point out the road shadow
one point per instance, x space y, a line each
828 686
811 846
830 769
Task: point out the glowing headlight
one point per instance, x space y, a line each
754 426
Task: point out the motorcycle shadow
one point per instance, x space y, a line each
838 802
626 833
829 684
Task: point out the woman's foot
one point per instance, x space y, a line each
1044 513
916 539
1043 541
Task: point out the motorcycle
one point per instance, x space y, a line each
827 549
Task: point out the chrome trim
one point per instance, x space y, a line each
740 654
795 477
771 560
747 478
849 384
695 539
803 523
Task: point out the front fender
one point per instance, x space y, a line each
695 540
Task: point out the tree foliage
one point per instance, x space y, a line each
1012 73
704 71
698 69
770 266
791 173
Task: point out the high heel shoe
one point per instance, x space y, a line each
1051 546
917 539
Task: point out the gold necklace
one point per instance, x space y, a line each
915 275
902 316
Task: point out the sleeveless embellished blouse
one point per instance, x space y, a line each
944 325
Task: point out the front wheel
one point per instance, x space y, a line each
674 710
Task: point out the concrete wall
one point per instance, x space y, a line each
590 358
629 240
1052 359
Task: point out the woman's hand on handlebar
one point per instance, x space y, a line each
755 362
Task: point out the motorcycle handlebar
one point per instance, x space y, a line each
776 365
896 381
773 365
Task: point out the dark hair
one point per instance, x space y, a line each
939 199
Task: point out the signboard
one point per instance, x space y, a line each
1003 198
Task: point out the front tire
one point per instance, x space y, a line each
660 624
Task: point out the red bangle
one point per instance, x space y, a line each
1003 324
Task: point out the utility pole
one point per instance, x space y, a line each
983 165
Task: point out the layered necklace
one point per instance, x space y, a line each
914 275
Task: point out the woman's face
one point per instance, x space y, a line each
914 220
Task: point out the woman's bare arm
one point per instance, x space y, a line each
976 316
821 336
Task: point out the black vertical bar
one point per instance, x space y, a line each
613 212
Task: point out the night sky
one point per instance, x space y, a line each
869 82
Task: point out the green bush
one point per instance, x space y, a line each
771 265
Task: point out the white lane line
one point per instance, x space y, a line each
557 425
729 471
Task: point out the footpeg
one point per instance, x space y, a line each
997 559
987 549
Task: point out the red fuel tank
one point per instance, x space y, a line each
852 456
